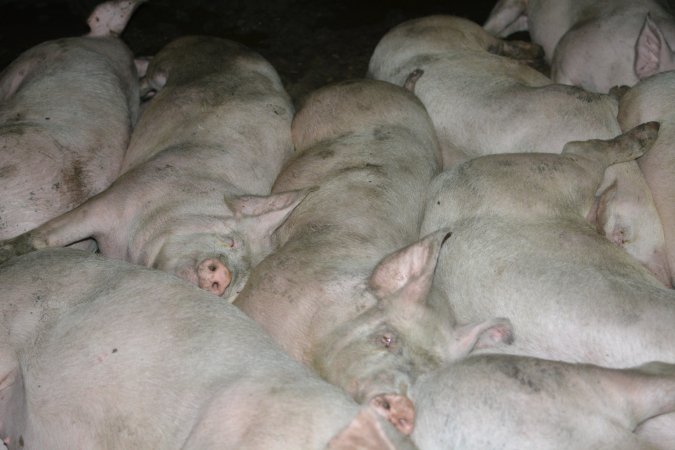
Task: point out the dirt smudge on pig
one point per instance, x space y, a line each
74 181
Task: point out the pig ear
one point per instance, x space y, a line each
409 271
258 216
369 431
481 335
651 50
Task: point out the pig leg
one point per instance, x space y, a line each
483 335
658 431
507 17
527 53
12 397
599 154
648 389
88 220
650 394
110 18
625 147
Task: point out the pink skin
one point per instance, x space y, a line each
213 276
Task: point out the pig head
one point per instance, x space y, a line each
67 108
120 356
194 198
522 248
464 86
593 45
345 292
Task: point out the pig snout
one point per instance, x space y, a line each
397 409
213 276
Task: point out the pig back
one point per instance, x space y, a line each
345 107
371 148
221 102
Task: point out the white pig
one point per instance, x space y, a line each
67 108
520 403
522 248
653 99
595 45
483 103
217 129
345 293
99 353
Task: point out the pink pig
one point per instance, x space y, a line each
99 353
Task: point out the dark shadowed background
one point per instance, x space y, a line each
309 42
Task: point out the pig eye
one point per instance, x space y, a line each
387 340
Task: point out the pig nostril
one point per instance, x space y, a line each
215 285
212 268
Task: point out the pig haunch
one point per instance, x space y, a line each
67 110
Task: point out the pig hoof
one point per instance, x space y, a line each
618 91
6 252
213 276
398 409
500 331
17 246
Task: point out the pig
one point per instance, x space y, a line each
519 403
522 247
67 108
193 198
115 355
595 45
652 99
482 103
345 291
